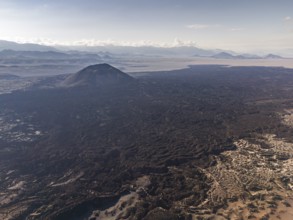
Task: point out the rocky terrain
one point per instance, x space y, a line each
206 142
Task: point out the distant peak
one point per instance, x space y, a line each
273 56
223 55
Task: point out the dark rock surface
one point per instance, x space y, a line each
80 152
8 77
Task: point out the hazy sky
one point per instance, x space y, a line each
226 24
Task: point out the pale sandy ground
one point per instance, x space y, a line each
288 117
286 213
249 166
125 203
164 64
283 212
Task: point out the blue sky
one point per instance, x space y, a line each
250 25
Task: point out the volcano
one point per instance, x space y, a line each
97 75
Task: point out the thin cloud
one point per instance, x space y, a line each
180 43
203 26
236 29
288 18
209 26
95 42
198 26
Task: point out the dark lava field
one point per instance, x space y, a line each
102 144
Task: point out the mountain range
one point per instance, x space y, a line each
225 55
9 45
8 48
